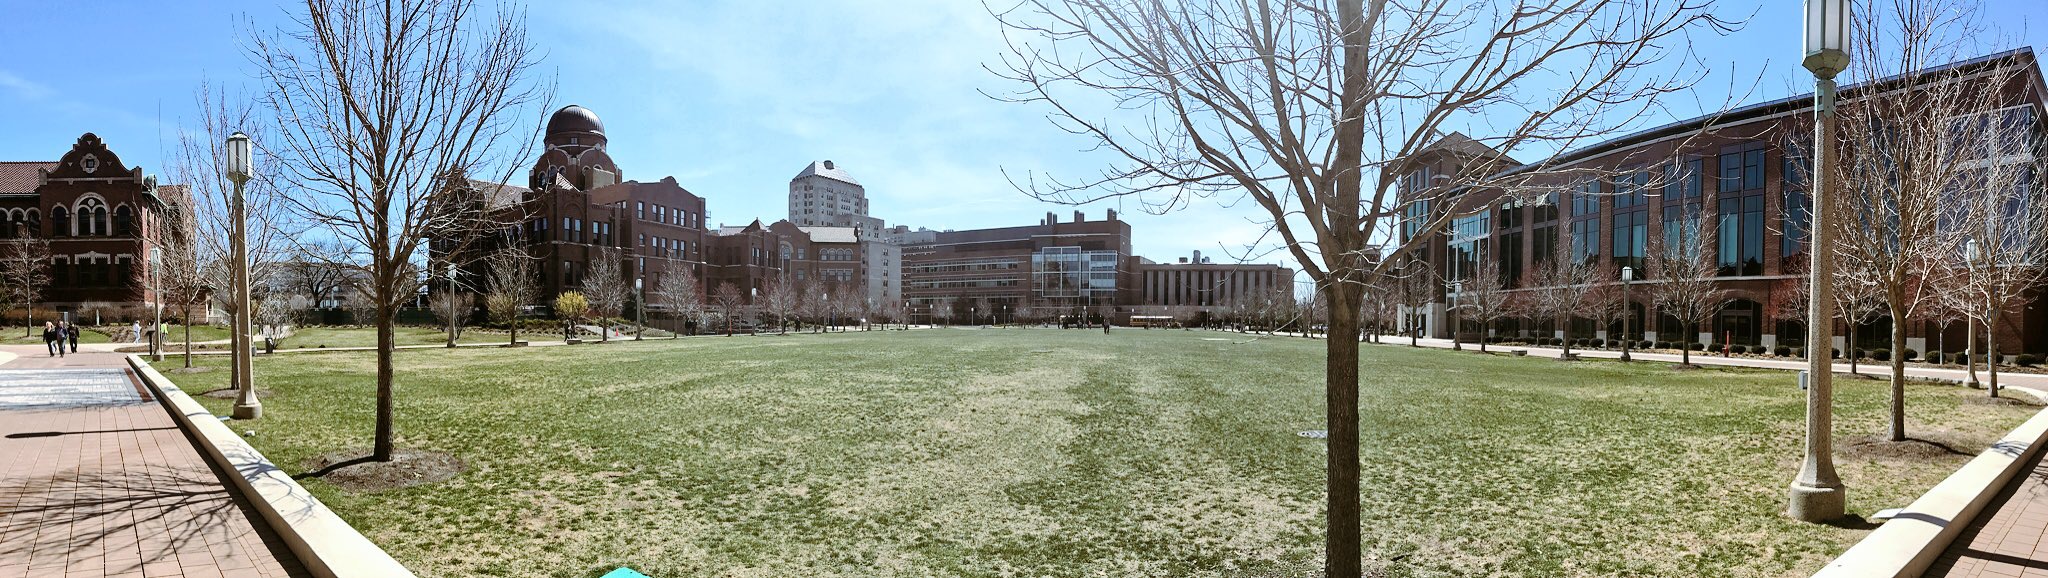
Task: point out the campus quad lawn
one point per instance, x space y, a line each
1042 452
316 337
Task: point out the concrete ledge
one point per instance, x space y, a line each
1907 545
325 544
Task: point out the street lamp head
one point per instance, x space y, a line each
235 163
1970 255
1628 274
1827 37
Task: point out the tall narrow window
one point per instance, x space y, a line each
1741 236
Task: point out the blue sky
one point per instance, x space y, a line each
733 98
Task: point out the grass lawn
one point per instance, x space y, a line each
316 337
1070 453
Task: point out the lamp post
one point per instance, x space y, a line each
1978 264
1453 313
1628 276
639 307
1817 494
238 168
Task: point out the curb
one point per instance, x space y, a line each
324 543
1911 542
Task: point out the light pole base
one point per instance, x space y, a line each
1811 504
251 410
1624 356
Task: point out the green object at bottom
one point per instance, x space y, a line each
624 572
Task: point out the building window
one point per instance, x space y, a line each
1586 201
60 222
1586 240
1543 244
1681 223
1742 170
1631 190
1509 215
1741 235
1468 245
1682 180
124 221
1631 230
640 210
1798 210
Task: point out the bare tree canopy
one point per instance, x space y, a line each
513 285
1307 108
378 105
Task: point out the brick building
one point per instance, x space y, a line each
101 218
1738 170
1041 271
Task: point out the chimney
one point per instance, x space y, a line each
1112 214
828 165
1198 257
1080 217
1050 219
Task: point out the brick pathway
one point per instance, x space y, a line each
97 480
2006 539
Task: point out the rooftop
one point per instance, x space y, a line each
21 177
828 170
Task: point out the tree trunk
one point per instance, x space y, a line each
451 321
1485 327
1565 324
1341 401
385 340
1685 345
1898 425
188 336
515 330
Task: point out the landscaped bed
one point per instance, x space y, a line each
1041 452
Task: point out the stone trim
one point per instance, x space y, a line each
324 543
1911 542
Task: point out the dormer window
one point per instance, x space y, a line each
572 140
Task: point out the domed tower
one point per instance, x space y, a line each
575 150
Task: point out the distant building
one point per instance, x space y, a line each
101 218
825 195
1041 271
1197 282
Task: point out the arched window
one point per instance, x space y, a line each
35 224
124 221
786 251
92 218
60 222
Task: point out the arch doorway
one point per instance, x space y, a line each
1740 322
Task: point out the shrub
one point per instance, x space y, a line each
1911 354
1696 346
1598 342
2027 360
1835 352
1645 344
1799 352
1881 354
1737 350
1959 358
1934 357
1663 345
1781 351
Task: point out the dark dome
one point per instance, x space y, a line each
574 119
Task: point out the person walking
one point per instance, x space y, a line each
50 338
71 334
135 331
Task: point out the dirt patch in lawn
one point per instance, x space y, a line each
353 470
1916 447
2012 398
229 392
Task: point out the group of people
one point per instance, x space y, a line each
56 334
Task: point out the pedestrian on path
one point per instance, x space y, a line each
135 331
50 338
71 333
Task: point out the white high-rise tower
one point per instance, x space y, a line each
824 195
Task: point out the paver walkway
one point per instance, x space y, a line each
97 480
2007 538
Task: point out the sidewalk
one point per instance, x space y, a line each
2031 383
2006 539
97 480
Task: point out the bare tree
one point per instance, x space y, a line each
1417 285
182 283
276 313
2005 223
1685 286
25 272
1901 154
1859 301
381 105
1557 291
1484 298
729 302
680 291
810 304
310 269
785 298
513 285
1603 304
606 286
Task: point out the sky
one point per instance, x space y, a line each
734 98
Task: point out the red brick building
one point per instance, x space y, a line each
101 217
1739 170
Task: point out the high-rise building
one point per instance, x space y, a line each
825 195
